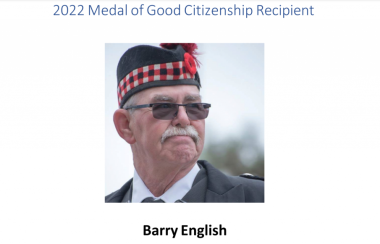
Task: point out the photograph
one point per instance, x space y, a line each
184 122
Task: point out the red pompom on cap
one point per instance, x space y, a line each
190 63
188 47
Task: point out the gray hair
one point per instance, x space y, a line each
189 130
131 102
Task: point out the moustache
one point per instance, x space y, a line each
179 131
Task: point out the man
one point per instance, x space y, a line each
162 117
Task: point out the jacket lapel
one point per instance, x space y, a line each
198 190
128 195
219 186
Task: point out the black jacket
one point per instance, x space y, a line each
210 185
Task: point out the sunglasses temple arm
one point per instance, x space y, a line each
139 106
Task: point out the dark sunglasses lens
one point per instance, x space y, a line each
197 111
165 111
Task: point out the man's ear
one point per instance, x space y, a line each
121 118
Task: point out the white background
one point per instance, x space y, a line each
321 126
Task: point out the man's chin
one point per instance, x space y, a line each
181 153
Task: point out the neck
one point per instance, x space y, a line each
158 181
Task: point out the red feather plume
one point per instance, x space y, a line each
188 47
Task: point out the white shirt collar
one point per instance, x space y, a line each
177 191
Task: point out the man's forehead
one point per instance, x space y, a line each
172 93
169 98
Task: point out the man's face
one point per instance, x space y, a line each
148 131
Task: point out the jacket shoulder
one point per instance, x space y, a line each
253 187
118 195
111 196
248 188
251 176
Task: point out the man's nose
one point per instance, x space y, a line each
181 119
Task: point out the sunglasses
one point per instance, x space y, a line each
168 111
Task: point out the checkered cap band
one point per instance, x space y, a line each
154 72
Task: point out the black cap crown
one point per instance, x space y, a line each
144 67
